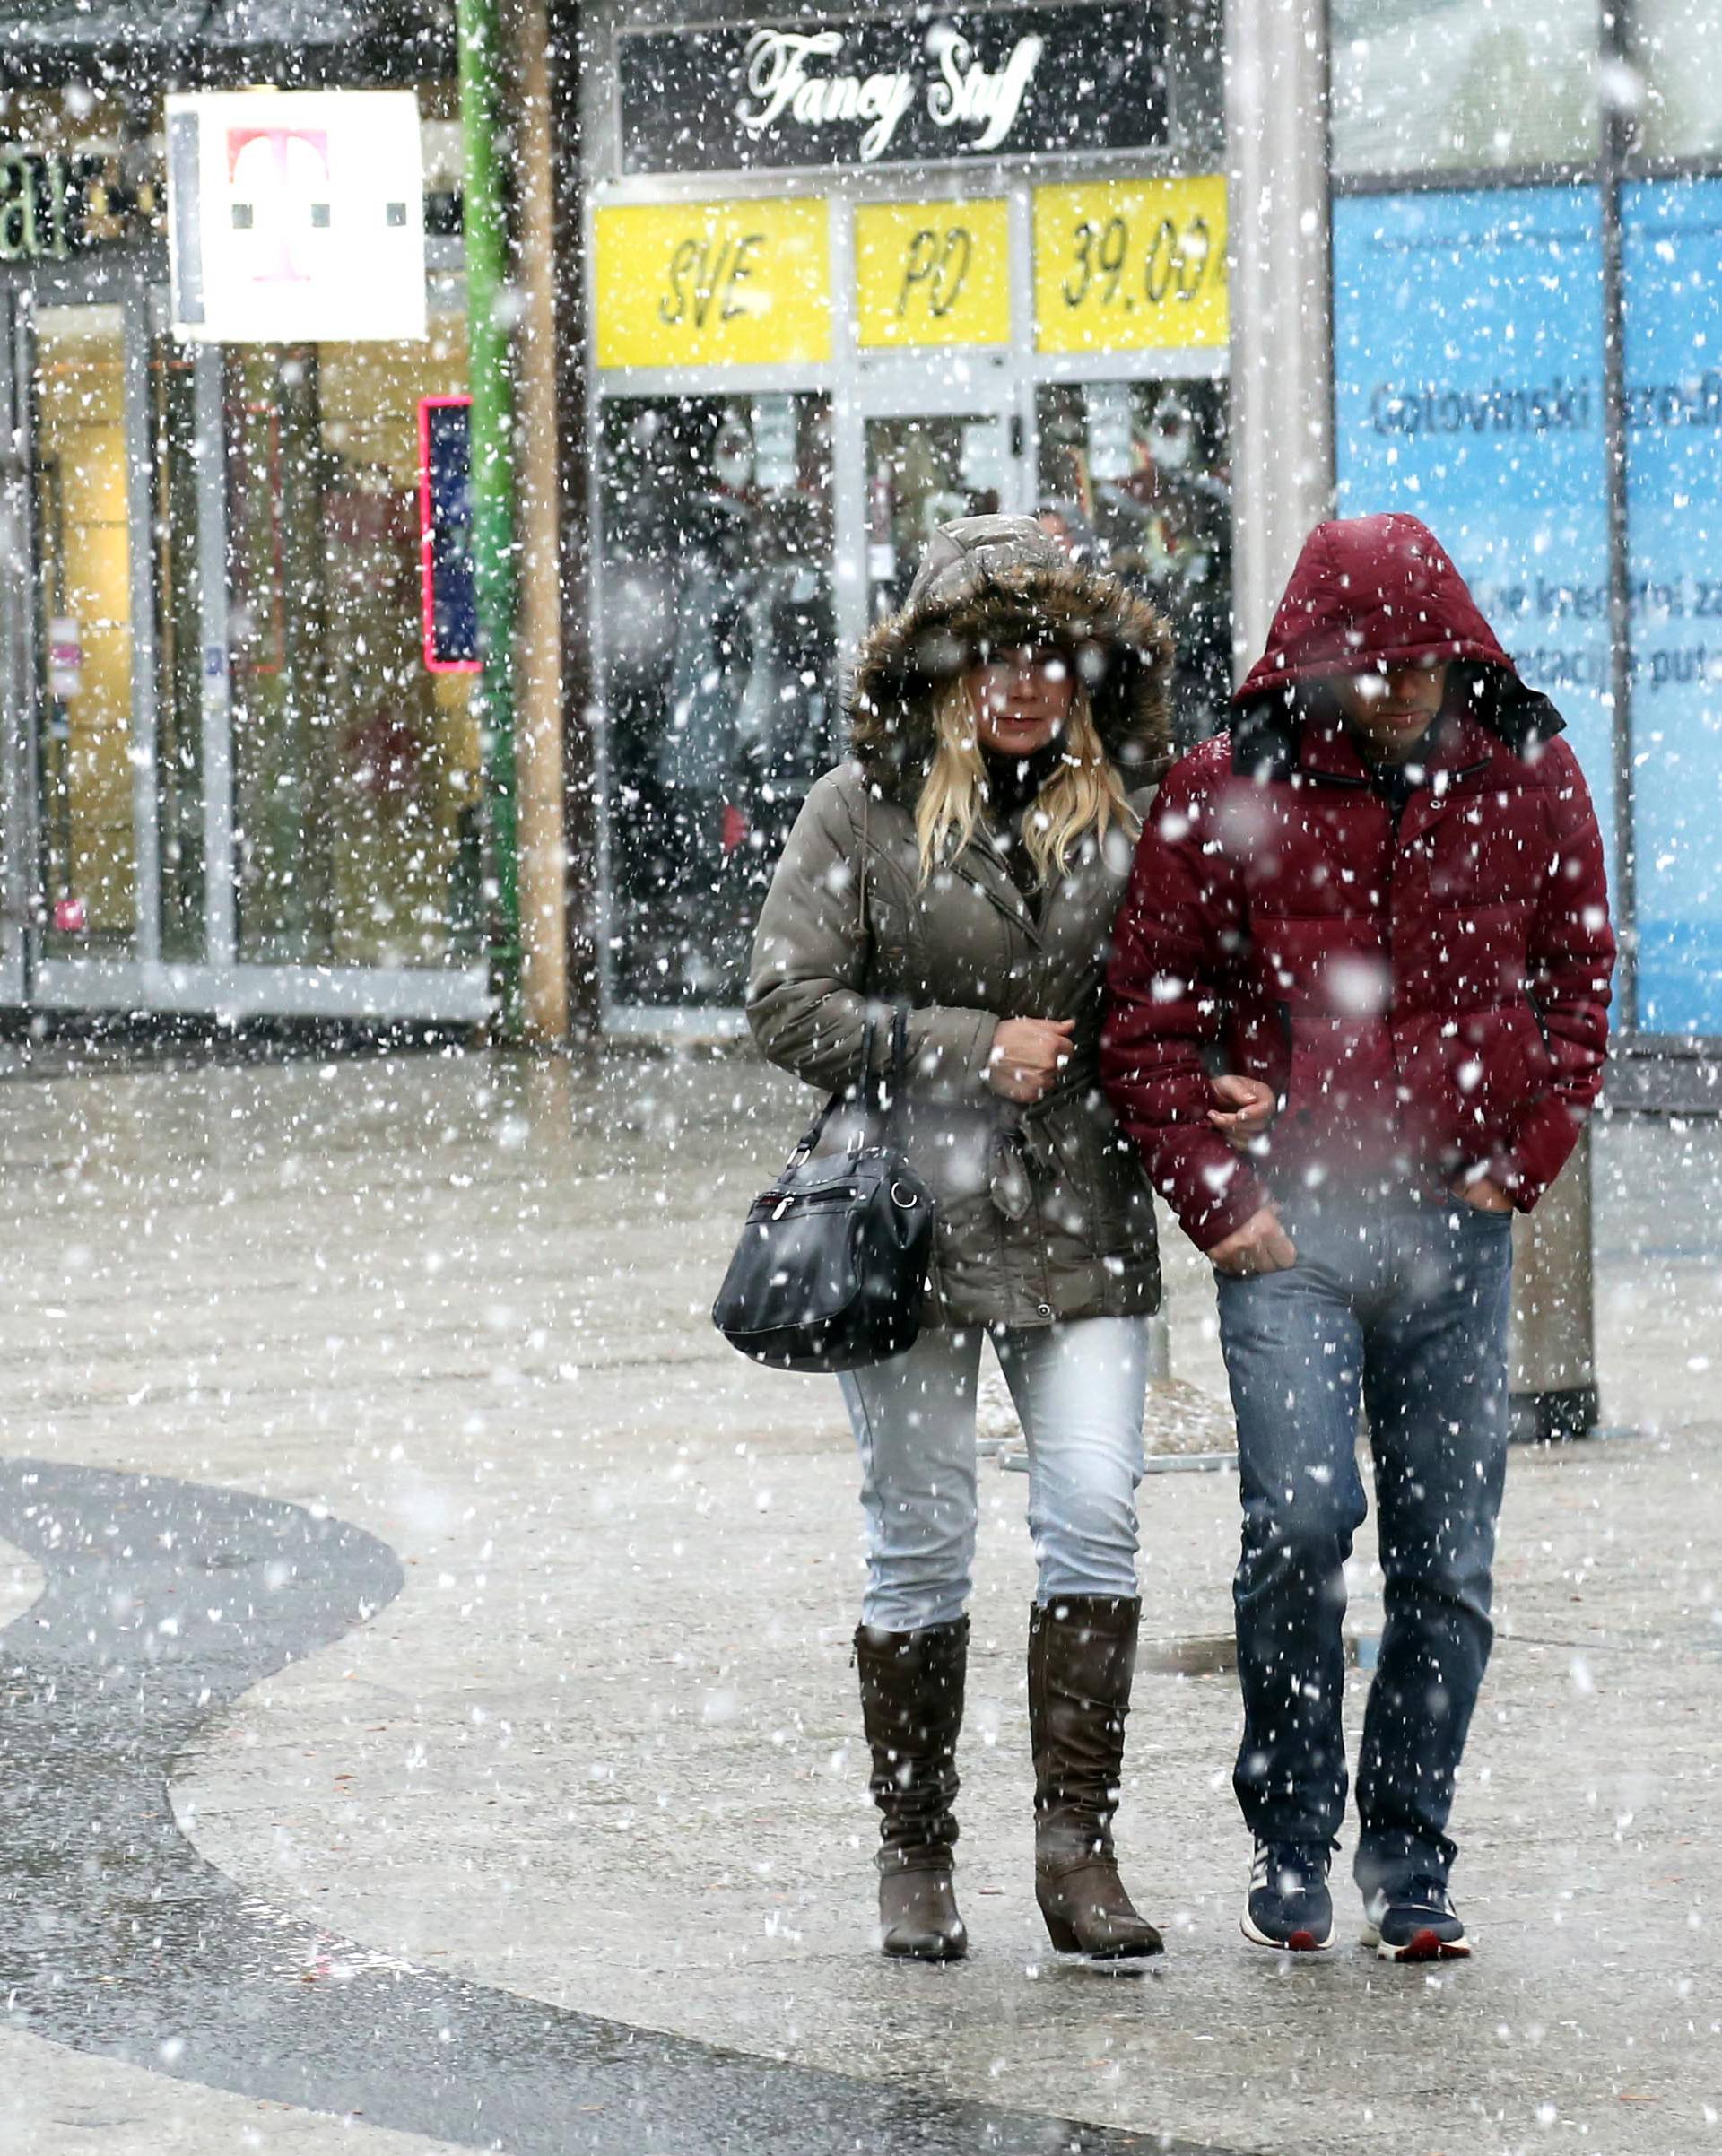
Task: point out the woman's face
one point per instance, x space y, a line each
1021 699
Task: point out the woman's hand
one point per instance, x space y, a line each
1260 1245
1247 1107
1028 1054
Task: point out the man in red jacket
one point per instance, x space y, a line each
1377 906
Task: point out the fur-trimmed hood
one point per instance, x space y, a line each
994 583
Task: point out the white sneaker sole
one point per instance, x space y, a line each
1421 1946
1300 1943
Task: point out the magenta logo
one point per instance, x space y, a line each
279 183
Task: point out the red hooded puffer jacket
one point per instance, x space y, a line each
1422 1001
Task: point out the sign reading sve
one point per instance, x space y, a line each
725 284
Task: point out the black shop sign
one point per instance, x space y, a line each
1004 81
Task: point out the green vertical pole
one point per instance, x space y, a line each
485 222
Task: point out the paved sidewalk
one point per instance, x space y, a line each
603 1750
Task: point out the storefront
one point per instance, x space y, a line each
849 280
233 783
1527 322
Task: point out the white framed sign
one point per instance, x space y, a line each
296 216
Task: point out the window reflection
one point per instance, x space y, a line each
719 649
1678 46
1426 85
1138 475
356 769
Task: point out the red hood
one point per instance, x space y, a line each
1371 591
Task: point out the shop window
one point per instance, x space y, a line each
1672 278
720 674
923 472
85 633
1678 46
1137 474
1468 391
1429 85
356 765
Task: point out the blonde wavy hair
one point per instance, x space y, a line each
1086 792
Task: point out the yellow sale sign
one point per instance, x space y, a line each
717 283
932 273
1131 266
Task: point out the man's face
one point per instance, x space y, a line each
1391 711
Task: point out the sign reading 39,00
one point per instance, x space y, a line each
1133 266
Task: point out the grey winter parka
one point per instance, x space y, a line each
1044 1212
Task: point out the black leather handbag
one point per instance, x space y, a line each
831 1271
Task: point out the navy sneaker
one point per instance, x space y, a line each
1289 1905
1416 1922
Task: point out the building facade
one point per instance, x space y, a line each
850 275
231 783
827 278
851 278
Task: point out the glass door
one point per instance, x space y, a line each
356 760
719 672
17 703
85 649
100 601
236 774
925 469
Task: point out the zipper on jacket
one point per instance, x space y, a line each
1040 1232
1013 1138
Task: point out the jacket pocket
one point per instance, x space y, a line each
1493 1064
1102 1196
1339 1081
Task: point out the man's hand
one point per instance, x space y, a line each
1028 1054
1247 1106
1260 1245
1480 1192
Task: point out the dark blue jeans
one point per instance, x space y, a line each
1403 1302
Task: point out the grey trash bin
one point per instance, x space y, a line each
1553 1362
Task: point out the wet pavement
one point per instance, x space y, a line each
165 1601
586 1792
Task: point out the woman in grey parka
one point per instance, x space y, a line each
966 865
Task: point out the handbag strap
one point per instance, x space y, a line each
880 1096
861 875
884 1090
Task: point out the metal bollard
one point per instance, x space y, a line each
1160 1347
1553 1352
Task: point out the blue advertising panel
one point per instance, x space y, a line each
448 587
1468 391
1673 290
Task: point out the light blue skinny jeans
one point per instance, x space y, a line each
1079 1390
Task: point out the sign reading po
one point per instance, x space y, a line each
932 273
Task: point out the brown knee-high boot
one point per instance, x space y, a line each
911 1705
1082 1657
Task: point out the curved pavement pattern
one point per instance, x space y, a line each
165 1601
